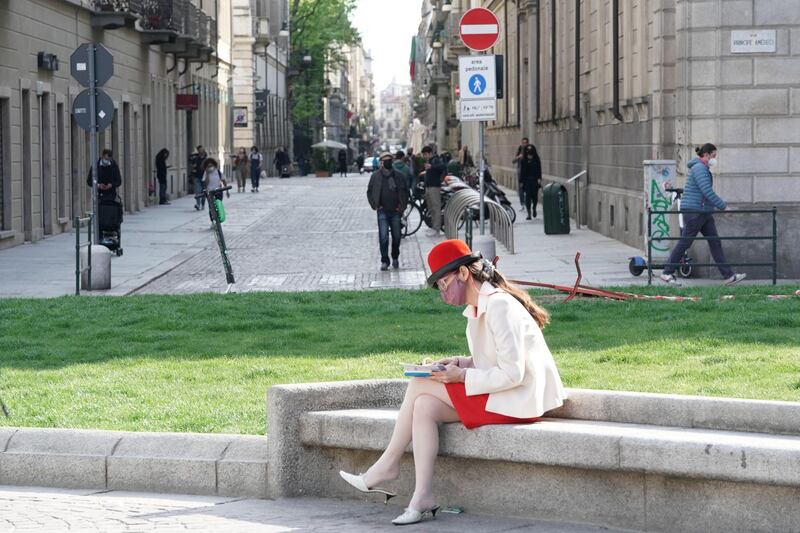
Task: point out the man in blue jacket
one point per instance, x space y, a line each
698 195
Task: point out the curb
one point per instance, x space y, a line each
179 463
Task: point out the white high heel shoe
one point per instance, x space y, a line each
412 516
357 482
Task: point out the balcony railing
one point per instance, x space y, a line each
163 15
113 14
118 6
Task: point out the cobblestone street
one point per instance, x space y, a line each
43 510
298 234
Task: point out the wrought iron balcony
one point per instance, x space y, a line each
113 14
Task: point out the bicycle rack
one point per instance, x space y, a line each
458 207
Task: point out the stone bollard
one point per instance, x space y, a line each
101 267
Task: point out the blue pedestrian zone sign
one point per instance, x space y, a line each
477 84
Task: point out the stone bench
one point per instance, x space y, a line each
187 463
638 461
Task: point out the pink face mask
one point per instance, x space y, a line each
455 293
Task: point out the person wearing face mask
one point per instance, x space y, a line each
213 179
255 168
698 195
108 176
387 194
510 377
530 176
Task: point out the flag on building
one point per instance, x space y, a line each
412 63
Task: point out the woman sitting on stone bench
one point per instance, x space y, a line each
510 378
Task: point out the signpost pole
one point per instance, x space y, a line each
481 170
93 141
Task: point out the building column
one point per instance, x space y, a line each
442 97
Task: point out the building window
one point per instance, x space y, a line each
61 156
626 219
27 193
611 215
599 212
5 163
45 165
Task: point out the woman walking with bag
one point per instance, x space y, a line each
510 378
530 176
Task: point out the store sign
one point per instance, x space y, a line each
754 41
187 102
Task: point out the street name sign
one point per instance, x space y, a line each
479 29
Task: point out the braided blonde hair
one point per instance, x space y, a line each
484 270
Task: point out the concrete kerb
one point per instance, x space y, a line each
225 465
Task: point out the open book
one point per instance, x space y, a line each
421 371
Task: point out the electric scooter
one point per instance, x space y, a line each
638 264
217 212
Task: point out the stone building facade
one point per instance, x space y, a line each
603 85
260 58
174 48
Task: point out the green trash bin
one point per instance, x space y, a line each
556 209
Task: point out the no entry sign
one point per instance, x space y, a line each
479 29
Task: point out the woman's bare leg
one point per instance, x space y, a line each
387 467
428 413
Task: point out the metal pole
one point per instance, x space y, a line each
774 245
77 225
482 169
649 246
92 221
93 143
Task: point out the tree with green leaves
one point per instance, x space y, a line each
319 30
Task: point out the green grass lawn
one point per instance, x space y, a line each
204 362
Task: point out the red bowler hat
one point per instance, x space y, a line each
447 256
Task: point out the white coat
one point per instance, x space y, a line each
512 361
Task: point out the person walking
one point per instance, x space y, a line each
530 175
213 179
360 164
161 175
240 167
518 162
108 176
387 194
255 168
699 195
282 162
403 169
466 161
197 161
342 158
434 170
509 378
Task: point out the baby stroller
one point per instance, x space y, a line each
110 222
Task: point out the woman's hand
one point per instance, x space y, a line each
452 374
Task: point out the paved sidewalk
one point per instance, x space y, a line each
297 234
54 510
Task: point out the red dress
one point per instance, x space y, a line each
472 409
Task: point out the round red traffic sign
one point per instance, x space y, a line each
479 29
